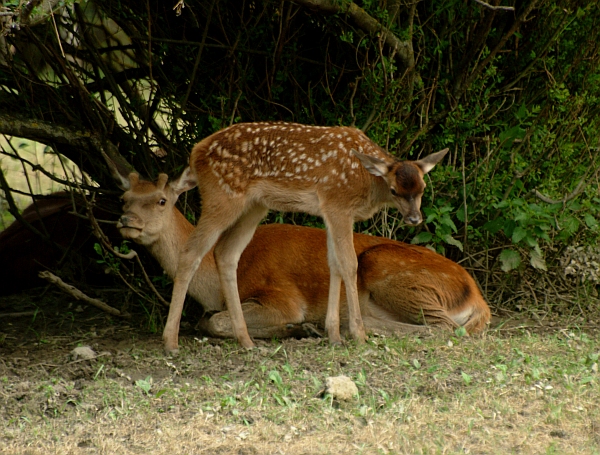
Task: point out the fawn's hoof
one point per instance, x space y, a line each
172 351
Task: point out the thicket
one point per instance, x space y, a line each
512 87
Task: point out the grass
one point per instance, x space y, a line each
506 392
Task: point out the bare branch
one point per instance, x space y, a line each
50 175
17 315
495 8
462 88
576 192
198 58
48 133
13 209
76 293
366 22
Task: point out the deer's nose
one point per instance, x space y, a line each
413 219
125 220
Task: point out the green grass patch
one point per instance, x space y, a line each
505 392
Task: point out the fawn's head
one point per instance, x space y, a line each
148 206
405 181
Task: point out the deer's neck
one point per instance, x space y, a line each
204 287
378 197
166 249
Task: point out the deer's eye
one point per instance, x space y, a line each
162 202
394 192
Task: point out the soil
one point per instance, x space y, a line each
217 398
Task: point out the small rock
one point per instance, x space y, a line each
83 352
341 387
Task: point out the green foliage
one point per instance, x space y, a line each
515 96
145 385
439 216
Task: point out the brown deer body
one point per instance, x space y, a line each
333 172
283 274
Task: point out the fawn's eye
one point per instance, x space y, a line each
162 202
394 192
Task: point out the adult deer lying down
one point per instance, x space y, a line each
336 173
283 274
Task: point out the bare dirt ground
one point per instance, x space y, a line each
521 388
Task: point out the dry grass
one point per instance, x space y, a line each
512 391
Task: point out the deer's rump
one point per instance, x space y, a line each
405 283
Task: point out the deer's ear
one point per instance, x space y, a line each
426 164
119 175
121 180
374 165
185 182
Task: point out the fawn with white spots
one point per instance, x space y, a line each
334 172
283 275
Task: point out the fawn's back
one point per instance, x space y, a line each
293 167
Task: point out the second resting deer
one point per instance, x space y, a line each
283 273
336 173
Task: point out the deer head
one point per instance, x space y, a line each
404 180
147 205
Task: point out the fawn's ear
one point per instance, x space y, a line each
185 182
374 165
426 164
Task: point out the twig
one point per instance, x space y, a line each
235 106
17 315
62 51
367 23
197 62
495 8
73 291
578 189
464 182
14 211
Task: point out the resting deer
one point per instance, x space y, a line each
283 273
333 172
